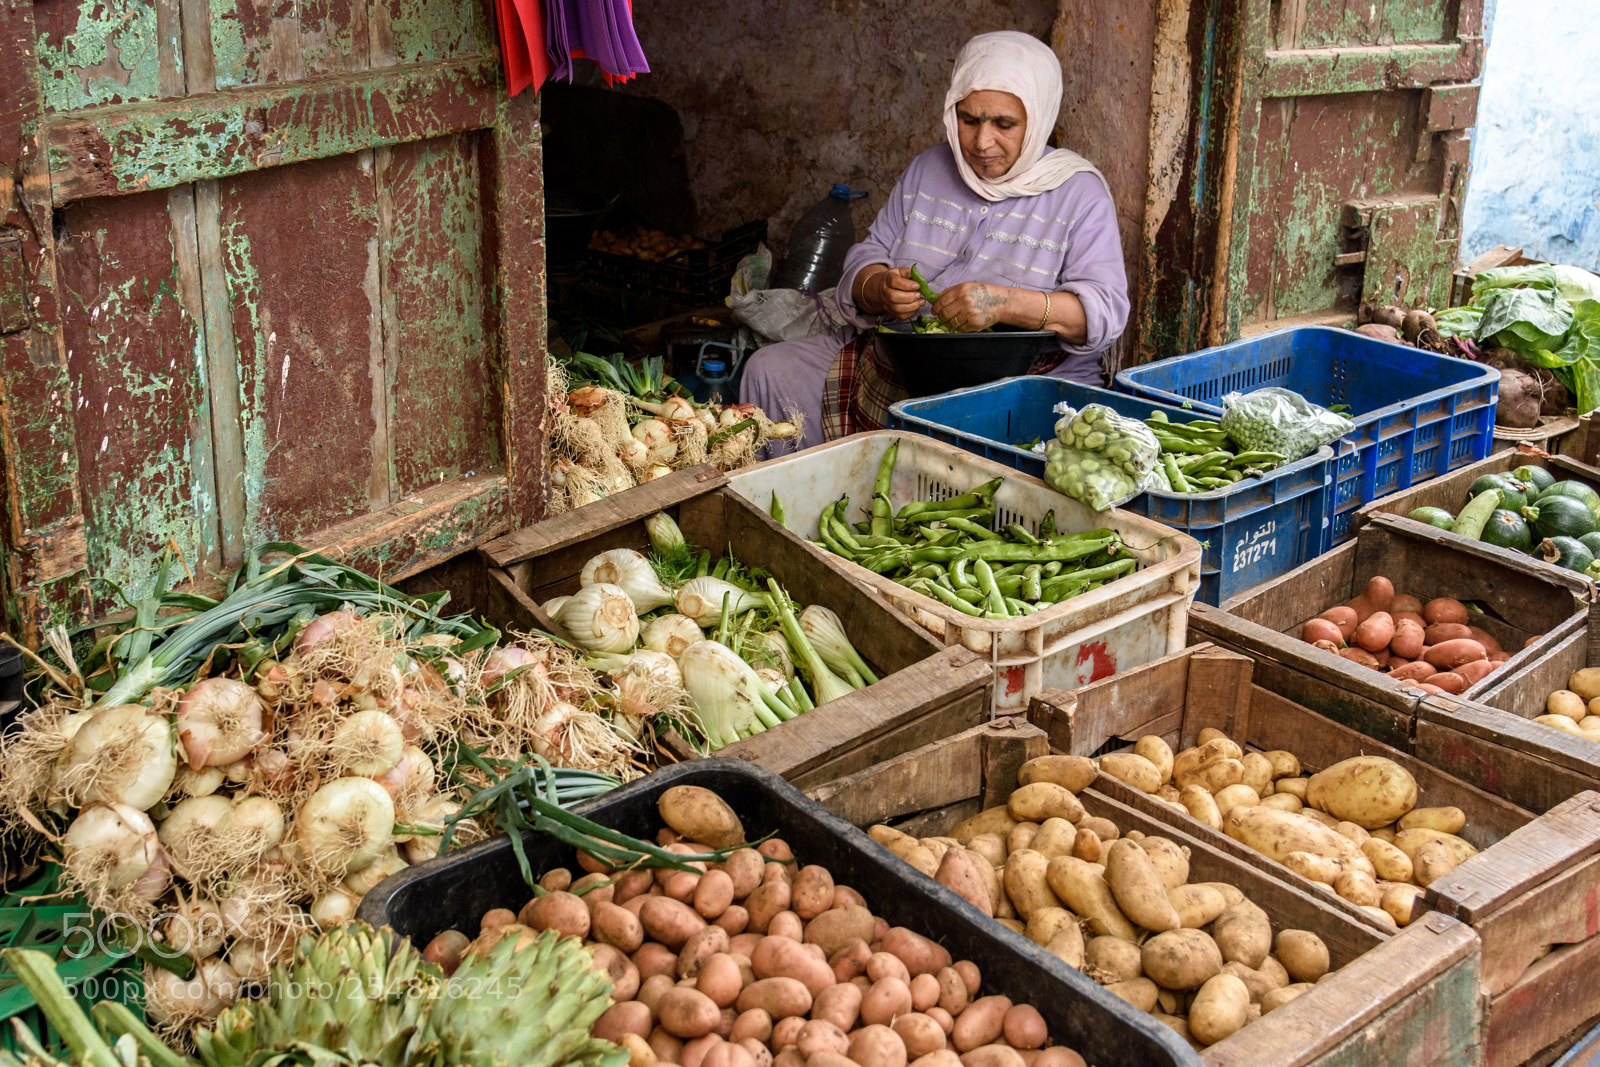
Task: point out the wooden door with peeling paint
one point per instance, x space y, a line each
1273 161
269 270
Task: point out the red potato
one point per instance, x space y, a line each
790 1057
786 1031
840 1004
651 989
1344 618
813 892
701 946
996 1055
920 955
1405 604
680 885
953 995
779 957
1448 654
970 975
1414 672
1445 609
720 979
1499 657
938 1058
887 965
1361 606
786 924
776 848
1321 630
1484 638
887 998
825 1059
734 919
1383 656
727 1054
1409 616
838 927
628 1017
877 1046
760 1054
653 959
755 1025
713 894
1059 1057
924 992
819 1035
920 1033
945 1020
669 921
1024 1027
667 1048
1409 638
1429 687
1359 656
1440 632
844 897
1477 670
497 917
1329 646
850 961
744 944
765 901
687 1013
1375 632
1379 593
696 1050
981 1023
745 867
1449 682
778 997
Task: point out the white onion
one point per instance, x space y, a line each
258 825
345 825
656 436
249 961
152 885
176 1002
601 618
631 572
123 755
657 471
368 743
334 907
670 634
412 776
195 830
502 661
201 783
195 928
110 846
367 878
220 721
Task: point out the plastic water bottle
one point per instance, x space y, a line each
815 256
717 375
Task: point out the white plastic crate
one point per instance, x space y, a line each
1121 625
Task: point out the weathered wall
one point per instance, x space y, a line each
1536 149
782 99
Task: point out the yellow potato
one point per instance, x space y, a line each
1169 859
1133 770
1284 764
1585 682
1295 787
1384 833
1316 815
991 847
1158 752
1277 833
1082 887
1110 959
1279 997
1045 923
1073 773
1559 722
1025 883
1220 774
1358 887
1283 802
1137 888
1169 792
1403 903
995 820
1234 795
1230 892
1257 771
1350 830
1054 838
1197 905
698 814
1366 790
1201 805
1303 954
1021 836
1257 983
1140 992
1209 734
1565 702
1433 860
1219 1009
1448 820
1243 933
1379 914
1388 862
1408 841
1317 868
1039 801
1181 959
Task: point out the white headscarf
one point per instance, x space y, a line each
1023 66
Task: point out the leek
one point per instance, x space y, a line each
825 685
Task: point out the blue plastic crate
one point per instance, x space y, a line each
1252 533
1418 415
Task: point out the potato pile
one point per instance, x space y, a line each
760 962
1354 827
1431 645
643 243
1119 907
1576 709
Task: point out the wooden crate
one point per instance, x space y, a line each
1406 999
927 691
1533 885
1520 599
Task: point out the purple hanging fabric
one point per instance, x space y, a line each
601 30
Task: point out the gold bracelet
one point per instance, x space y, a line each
1044 322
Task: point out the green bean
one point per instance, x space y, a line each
975 498
971 514
994 602
971 596
1031 579
967 526
1004 552
1053 568
950 598
1106 572
1174 475
882 512
922 285
776 510
1019 533
958 574
1020 607
1047 525
1250 459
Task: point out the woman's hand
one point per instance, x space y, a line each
890 291
971 306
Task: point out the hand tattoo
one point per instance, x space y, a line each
986 299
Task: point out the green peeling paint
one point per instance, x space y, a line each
112 56
244 290
426 30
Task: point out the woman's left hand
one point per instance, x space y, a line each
970 306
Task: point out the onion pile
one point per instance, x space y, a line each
604 442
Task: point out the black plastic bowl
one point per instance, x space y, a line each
455 890
931 363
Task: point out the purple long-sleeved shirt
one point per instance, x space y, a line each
1064 240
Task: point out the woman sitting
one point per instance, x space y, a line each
1006 229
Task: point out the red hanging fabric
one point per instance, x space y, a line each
522 43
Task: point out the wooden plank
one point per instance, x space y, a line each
1561 911
945 772
1379 68
1219 681
156 144
1526 692
422 530
509 608
603 516
1128 704
1411 1002
1558 994
1561 839
1531 765
1007 744
1450 491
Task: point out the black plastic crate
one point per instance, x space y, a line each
698 277
453 892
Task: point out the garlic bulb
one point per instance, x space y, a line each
632 573
601 618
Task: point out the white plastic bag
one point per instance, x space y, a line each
1102 459
1280 421
786 314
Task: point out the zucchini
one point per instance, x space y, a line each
1568 552
1537 477
1434 517
1476 514
1562 516
1508 529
